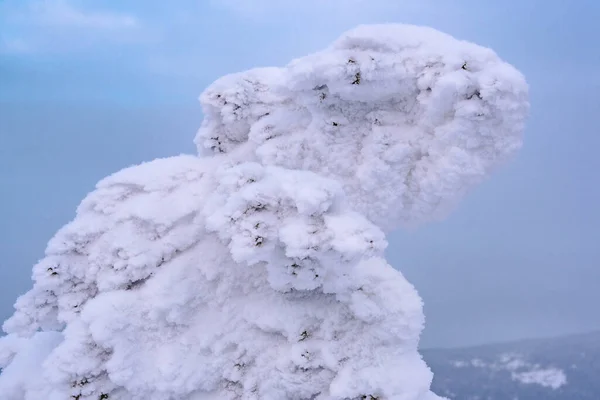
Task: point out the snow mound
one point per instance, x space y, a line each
405 117
256 271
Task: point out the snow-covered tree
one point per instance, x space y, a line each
256 270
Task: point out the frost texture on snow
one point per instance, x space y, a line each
407 119
256 270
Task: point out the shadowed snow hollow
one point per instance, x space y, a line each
256 271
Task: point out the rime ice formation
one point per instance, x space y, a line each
406 118
256 270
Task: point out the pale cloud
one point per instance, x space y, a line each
62 13
333 10
15 46
58 26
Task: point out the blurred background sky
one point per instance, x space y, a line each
89 87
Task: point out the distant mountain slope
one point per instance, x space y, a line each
564 368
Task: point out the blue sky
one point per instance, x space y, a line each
89 87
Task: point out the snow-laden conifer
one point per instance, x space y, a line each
256 270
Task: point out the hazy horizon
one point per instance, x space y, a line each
118 84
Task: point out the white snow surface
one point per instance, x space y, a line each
24 375
256 270
552 378
521 370
531 373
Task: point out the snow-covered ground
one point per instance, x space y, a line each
563 368
520 370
